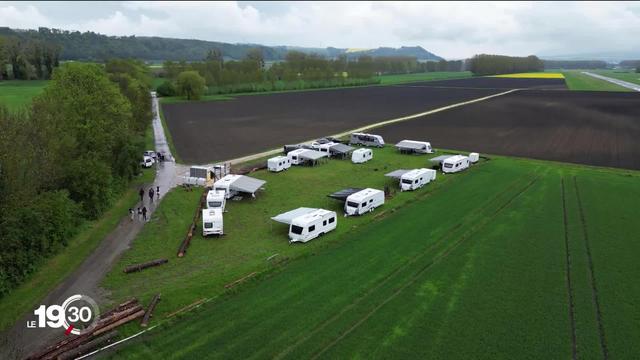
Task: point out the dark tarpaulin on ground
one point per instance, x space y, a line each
344 193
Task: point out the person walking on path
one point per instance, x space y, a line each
151 193
144 213
139 214
158 192
141 193
131 213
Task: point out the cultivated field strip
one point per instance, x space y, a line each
438 258
570 295
592 278
466 221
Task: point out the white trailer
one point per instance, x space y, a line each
454 164
232 185
307 223
278 163
360 156
323 147
212 222
363 201
366 140
416 178
412 146
304 156
216 199
474 157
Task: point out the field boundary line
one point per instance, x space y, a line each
592 276
447 251
376 125
403 266
574 346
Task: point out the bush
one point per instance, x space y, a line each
166 89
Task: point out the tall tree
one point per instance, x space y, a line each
190 84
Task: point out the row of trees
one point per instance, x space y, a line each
65 158
574 64
484 64
27 59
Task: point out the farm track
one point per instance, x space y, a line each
443 255
592 278
574 347
449 233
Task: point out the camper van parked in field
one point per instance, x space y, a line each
212 222
455 164
216 199
360 156
310 226
278 163
366 139
416 179
474 157
363 201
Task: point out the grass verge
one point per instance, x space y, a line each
576 80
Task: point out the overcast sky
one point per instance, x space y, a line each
452 30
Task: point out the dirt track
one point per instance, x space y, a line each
594 128
207 131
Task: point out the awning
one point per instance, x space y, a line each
312 155
441 158
247 184
410 145
288 148
287 218
397 174
344 194
340 149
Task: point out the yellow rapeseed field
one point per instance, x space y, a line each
538 75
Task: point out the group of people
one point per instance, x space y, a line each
142 211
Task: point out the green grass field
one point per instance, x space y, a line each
577 81
472 266
630 75
17 94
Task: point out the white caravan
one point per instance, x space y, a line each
416 178
455 164
212 222
307 224
474 157
224 184
363 201
366 139
323 147
360 156
216 199
232 185
421 147
278 163
294 156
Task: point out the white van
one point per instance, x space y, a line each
212 222
416 179
147 161
360 156
278 163
366 140
311 225
363 201
216 199
455 164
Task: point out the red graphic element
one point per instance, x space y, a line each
69 329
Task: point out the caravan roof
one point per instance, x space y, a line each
455 158
312 155
363 194
411 144
414 173
287 217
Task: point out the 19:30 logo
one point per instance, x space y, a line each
77 315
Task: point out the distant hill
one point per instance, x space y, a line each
93 46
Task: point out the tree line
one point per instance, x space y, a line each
64 159
574 64
484 64
27 59
299 70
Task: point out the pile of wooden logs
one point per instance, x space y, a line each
73 346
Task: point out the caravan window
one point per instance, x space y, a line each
221 189
352 204
370 201
415 182
296 229
332 220
312 228
406 181
364 204
215 204
448 166
208 225
324 223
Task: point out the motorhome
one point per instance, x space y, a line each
363 201
360 156
307 223
416 178
216 199
212 222
455 164
366 140
474 157
278 163
411 146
